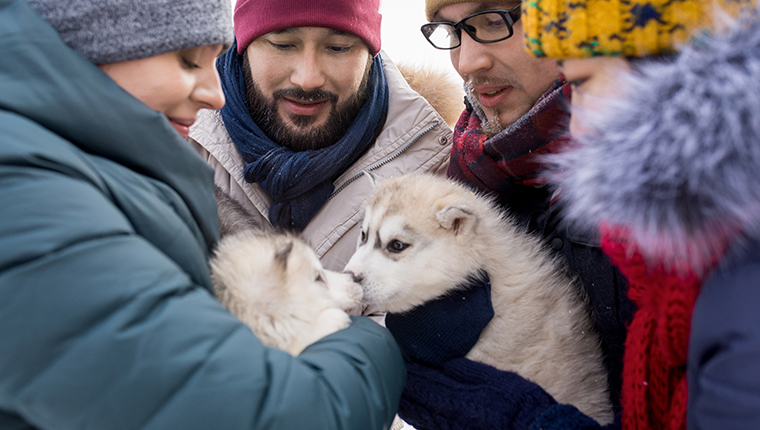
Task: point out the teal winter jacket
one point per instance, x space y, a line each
107 320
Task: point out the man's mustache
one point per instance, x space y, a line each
306 96
473 81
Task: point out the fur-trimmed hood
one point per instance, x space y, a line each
677 160
437 87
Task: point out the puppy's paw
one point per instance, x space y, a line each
328 321
331 320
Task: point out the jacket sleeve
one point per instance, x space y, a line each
100 330
724 349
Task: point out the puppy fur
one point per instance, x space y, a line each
276 285
233 217
423 235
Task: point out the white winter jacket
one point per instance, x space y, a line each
414 138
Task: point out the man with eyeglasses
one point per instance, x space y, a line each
516 110
503 82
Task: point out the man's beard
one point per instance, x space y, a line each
493 127
298 137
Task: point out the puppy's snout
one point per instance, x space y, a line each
357 278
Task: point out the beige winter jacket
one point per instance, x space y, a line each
414 138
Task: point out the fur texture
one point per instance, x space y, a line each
233 217
275 284
676 160
443 93
423 235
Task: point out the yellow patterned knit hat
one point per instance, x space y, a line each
632 28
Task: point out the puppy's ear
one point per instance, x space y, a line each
374 179
281 255
459 219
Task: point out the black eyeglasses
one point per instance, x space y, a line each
485 27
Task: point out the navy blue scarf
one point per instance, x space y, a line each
299 183
445 328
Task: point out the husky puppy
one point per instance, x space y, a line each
424 235
275 284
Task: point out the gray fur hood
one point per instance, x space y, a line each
677 160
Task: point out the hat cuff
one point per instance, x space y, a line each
260 19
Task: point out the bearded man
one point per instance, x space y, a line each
312 102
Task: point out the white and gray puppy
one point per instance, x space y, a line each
423 236
275 284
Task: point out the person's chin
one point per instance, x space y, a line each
507 115
302 123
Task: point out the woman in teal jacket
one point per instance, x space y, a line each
107 217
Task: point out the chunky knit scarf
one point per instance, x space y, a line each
299 183
508 159
654 391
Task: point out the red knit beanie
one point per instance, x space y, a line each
254 18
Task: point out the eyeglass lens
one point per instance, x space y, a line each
485 27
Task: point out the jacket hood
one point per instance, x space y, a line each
47 82
676 161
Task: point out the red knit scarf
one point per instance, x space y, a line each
497 164
654 390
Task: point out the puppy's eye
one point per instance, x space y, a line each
319 278
395 246
363 238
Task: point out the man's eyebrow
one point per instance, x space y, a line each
490 6
560 63
480 8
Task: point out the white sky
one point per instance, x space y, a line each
402 39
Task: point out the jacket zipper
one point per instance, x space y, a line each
384 161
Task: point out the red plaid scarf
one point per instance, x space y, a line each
507 159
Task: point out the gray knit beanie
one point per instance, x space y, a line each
107 31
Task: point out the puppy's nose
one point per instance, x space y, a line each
357 278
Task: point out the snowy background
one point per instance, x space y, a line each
402 39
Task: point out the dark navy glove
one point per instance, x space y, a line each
465 394
446 328
469 395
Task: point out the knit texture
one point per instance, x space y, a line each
107 31
496 165
446 328
654 392
636 28
568 417
470 395
254 18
